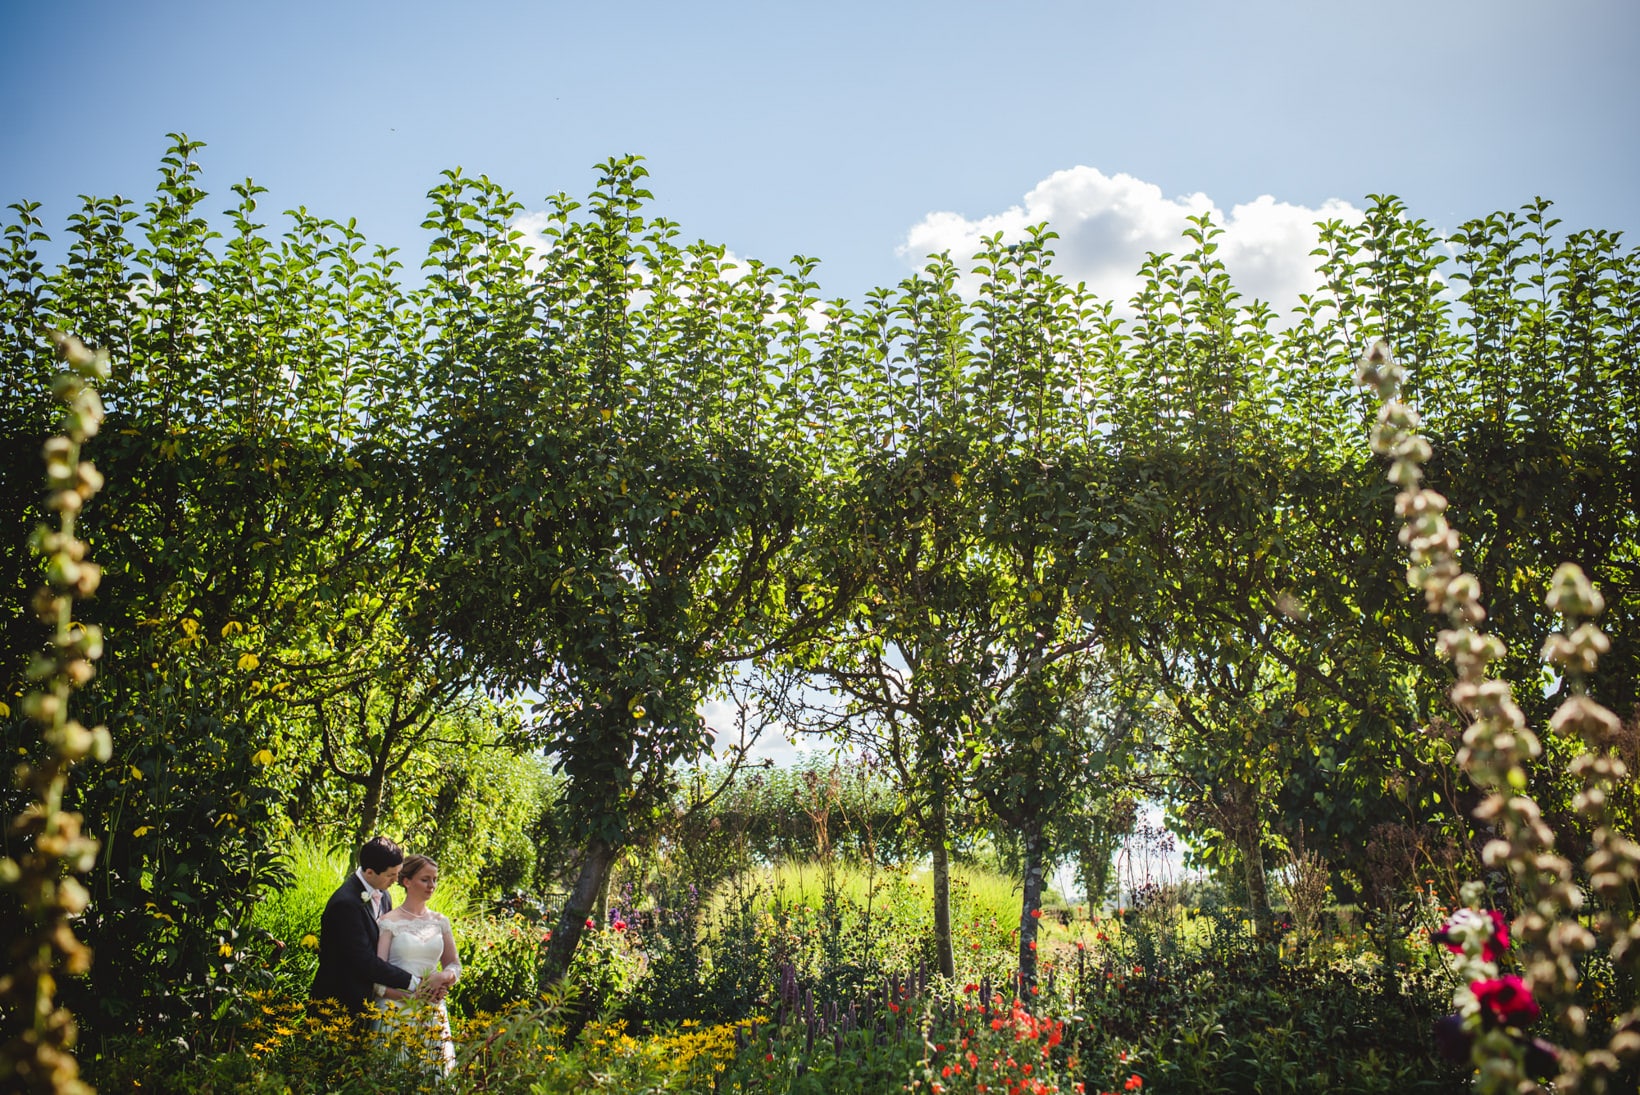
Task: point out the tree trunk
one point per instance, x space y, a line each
370 811
1258 890
1036 850
578 906
944 955
600 909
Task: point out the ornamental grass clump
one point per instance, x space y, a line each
1495 1008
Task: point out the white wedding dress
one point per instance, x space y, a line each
417 944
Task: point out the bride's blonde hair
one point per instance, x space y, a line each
412 866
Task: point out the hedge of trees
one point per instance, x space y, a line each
371 536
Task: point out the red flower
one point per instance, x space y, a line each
1036 914
1132 1083
589 922
620 925
1505 999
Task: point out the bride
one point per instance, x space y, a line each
415 938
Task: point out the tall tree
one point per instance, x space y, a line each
623 486
249 432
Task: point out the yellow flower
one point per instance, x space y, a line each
263 757
248 660
225 950
142 830
310 941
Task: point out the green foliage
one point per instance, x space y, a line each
1044 556
228 433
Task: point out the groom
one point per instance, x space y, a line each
348 966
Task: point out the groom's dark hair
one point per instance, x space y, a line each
379 853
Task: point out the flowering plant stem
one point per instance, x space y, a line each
37 1055
1496 746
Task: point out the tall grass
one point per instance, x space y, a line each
292 913
976 893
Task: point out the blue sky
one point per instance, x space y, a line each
859 133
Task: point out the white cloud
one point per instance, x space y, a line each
1108 223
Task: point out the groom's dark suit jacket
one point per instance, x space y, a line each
348 965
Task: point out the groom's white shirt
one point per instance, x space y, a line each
374 894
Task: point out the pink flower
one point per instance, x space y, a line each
1505 999
1497 937
1499 940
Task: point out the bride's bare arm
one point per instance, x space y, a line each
449 959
